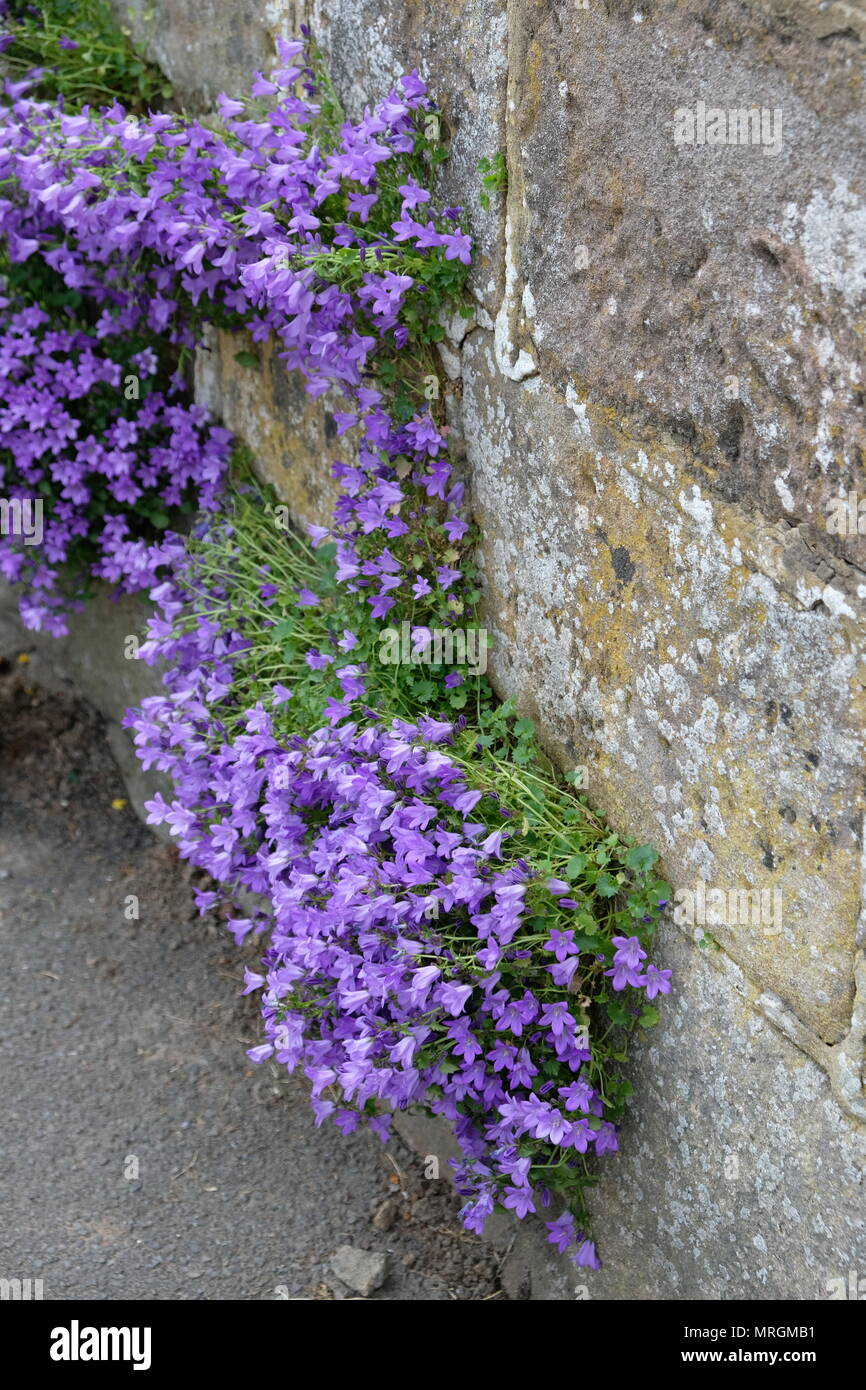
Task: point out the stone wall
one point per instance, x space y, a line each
658 398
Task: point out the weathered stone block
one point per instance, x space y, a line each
655 634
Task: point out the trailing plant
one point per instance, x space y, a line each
98 430
448 923
164 224
102 462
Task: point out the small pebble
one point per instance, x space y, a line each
386 1214
364 1271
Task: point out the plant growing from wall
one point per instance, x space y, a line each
494 177
447 922
446 926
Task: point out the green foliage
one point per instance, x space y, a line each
251 547
102 67
494 177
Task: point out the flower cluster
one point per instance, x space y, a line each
445 925
104 469
415 954
163 223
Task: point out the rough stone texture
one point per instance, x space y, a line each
657 639
704 263
738 1176
825 18
293 439
661 395
205 46
361 1270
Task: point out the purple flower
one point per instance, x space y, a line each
561 943
557 886
623 975
519 1200
585 1256
578 1096
629 952
317 661
605 1139
492 844
558 1018
412 195
453 997
657 981
562 1232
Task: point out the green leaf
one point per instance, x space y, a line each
575 866
585 941
605 886
641 858
649 1016
246 359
